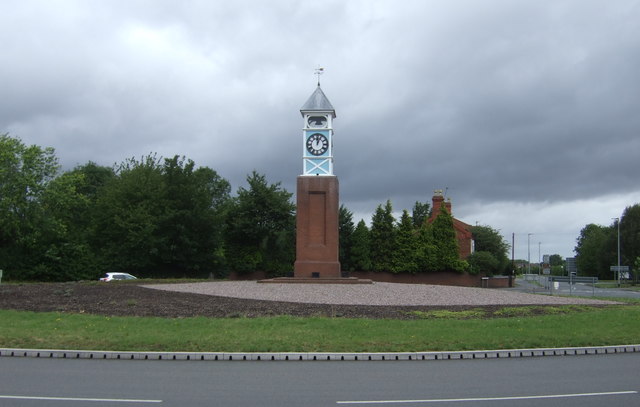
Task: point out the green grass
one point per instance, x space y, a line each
446 314
438 331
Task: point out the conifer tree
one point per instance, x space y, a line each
383 239
405 255
426 250
444 239
360 248
420 214
345 230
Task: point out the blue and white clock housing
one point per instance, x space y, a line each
317 135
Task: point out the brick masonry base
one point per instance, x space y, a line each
432 278
317 227
435 278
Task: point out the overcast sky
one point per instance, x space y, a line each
526 112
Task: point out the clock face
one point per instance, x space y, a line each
317 144
317 122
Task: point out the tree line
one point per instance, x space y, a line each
165 217
411 244
597 246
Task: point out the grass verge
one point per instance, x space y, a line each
613 325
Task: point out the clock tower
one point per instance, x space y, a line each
317 194
317 134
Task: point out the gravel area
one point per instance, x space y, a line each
376 294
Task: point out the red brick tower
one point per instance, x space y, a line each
317 194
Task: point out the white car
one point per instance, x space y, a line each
117 276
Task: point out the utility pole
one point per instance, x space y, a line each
539 259
529 253
618 270
513 254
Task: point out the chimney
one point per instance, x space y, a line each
437 200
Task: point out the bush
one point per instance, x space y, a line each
483 262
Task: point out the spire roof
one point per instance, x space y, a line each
318 101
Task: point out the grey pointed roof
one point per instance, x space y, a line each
318 101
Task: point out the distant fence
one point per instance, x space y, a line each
551 283
574 279
555 280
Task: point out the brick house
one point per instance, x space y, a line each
463 230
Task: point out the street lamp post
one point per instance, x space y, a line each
529 253
618 269
539 260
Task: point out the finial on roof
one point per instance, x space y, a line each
319 71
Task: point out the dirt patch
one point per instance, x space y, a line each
118 299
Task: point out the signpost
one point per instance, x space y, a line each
572 267
546 265
619 270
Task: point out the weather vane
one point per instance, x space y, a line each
319 71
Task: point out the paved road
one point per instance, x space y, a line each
583 381
578 290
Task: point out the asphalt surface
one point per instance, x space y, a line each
584 381
576 290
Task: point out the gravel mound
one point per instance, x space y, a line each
376 294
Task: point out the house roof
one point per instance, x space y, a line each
318 102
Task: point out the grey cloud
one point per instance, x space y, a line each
501 101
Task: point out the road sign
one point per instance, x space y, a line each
619 268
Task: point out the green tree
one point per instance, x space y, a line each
161 217
405 256
490 241
420 214
94 178
426 257
129 210
594 251
91 178
383 238
361 248
261 228
556 260
483 262
445 242
25 173
557 265
64 241
345 230
192 224
630 234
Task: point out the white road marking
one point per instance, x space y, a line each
548 396
97 400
